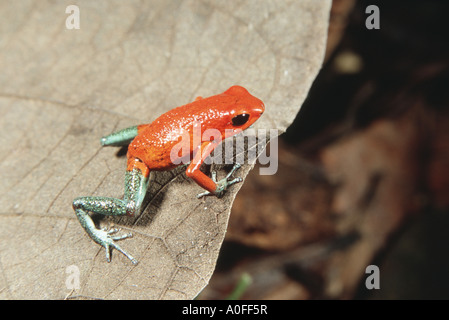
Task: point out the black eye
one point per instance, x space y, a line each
240 120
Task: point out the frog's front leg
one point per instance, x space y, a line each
122 137
212 186
136 184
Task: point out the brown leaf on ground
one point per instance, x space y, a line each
61 90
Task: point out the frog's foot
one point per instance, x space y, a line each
222 184
105 238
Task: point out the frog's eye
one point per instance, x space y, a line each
240 119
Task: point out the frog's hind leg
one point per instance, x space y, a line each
136 185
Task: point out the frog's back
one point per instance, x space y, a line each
171 132
161 144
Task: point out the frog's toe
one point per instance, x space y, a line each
105 239
118 248
234 181
204 194
111 231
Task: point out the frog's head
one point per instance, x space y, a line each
244 111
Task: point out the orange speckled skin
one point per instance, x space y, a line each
154 142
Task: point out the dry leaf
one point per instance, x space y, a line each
61 90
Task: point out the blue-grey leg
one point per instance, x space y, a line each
136 184
120 138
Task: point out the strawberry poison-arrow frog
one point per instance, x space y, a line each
151 148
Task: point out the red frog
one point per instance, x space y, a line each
151 148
